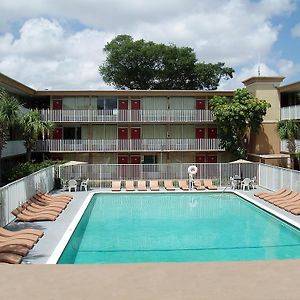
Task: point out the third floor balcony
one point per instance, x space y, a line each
131 145
136 116
290 112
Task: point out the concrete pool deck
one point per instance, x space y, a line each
211 280
54 231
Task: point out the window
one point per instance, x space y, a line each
106 103
72 133
150 160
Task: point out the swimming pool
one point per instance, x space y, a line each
177 227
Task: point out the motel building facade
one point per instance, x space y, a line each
148 127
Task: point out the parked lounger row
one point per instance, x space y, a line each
168 185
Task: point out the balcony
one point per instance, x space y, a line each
113 116
145 145
284 146
13 148
290 112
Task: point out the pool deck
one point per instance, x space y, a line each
213 280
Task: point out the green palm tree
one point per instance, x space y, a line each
9 116
289 130
32 128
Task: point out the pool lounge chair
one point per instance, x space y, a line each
287 198
10 258
9 233
262 194
169 185
116 186
35 217
16 241
129 186
42 202
53 199
154 186
198 185
183 185
142 186
56 196
209 185
15 249
283 195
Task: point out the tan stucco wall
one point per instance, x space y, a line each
267 91
265 141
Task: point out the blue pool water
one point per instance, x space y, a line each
178 227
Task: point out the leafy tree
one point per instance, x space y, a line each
9 114
289 130
146 65
32 128
236 118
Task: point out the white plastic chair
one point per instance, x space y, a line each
64 185
246 183
253 182
233 183
84 184
72 185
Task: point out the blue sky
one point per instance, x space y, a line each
53 44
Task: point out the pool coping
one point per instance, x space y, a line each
53 259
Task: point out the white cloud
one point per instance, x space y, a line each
47 54
296 30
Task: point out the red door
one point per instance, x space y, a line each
123 159
200 104
57 133
135 133
123 133
136 160
135 104
199 133
200 159
212 133
57 104
212 158
123 104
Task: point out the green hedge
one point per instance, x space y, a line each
27 168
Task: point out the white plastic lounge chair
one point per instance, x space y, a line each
84 184
183 185
72 184
154 186
116 186
142 185
169 185
129 186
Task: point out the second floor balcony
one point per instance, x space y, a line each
290 112
284 146
143 145
114 116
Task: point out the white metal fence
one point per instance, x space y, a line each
115 115
157 145
17 192
100 175
274 178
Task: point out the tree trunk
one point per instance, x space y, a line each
28 154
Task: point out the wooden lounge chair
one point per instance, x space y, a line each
46 202
9 233
183 185
291 204
53 199
16 241
26 212
15 249
209 185
154 186
198 185
289 198
10 258
116 186
129 185
41 208
142 185
169 185
35 217
31 237
262 194
270 198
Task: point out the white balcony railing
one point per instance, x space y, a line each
284 146
290 112
148 116
13 148
153 145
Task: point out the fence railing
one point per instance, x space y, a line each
115 115
17 192
290 112
100 174
284 145
274 178
158 145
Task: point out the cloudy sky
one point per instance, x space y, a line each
55 44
